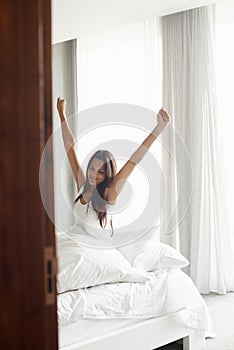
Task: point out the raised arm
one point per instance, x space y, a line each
69 144
117 184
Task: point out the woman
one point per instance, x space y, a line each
102 184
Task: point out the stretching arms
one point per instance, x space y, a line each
111 193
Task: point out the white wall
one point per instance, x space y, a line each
64 85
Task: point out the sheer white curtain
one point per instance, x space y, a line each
189 93
225 79
121 66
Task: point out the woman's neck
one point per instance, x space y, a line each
87 196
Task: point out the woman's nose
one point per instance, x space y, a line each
93 173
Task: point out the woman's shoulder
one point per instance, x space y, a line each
105 197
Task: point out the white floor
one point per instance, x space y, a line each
221 309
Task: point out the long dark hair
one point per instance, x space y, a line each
97 200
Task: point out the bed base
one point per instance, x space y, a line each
145 335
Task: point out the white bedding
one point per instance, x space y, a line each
116 300
81 267
168 291
115 288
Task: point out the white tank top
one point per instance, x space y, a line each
88 231
86 217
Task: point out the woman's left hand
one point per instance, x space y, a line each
163 119
61 106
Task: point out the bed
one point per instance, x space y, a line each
136 297
149 334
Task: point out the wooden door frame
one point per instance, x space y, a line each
28 309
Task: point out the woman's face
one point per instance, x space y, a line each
96 172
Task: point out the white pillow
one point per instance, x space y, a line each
159 256
132 250
80 267
149 253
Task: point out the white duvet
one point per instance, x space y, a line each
167 291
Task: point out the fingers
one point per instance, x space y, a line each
59 99
61 106
164 114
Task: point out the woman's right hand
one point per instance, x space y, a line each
163 119
61 106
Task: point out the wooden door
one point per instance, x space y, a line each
27 281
